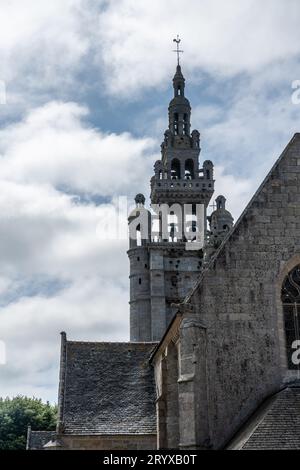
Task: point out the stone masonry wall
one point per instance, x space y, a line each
238 299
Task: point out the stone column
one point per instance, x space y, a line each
61 386
161 407
180 123
28 438
192 386
181 166
172 421
157 294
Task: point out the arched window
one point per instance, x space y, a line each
290 296
189 169
175 169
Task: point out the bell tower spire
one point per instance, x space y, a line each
179 108
178 176
178 83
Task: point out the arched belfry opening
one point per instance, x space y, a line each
179 90
290 297
175 169
189 170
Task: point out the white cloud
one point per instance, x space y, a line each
222 38
52 145
31 329
56 271
248 134
237 191
46 46
43 38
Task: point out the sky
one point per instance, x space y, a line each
84 92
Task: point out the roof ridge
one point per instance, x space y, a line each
34 430
114 342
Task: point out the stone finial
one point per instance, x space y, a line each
140 199
63 336
221 222
221 201
61 388
28 438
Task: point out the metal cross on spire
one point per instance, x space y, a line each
178 51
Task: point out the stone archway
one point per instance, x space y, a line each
290 298
286 267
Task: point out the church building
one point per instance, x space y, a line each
213 360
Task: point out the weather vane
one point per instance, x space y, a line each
178 51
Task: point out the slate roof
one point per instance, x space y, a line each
109 389
37 439
275 425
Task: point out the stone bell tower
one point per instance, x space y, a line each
220 223
165 259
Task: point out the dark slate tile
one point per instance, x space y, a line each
109 389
